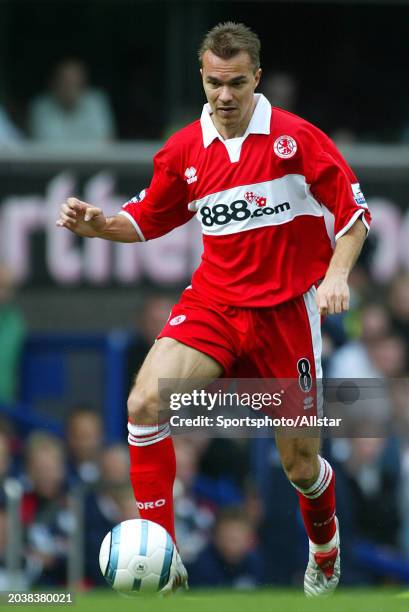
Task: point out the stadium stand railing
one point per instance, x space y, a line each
46 392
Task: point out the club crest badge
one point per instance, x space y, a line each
285 147
177 320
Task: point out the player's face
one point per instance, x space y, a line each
229 87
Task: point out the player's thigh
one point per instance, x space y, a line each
170 367
170 359
298 454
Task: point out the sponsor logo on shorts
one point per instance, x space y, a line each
285 147
177 320
150 504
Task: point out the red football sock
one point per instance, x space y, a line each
317 505
153 469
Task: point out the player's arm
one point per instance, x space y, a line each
89 221
334 184
157 210
333 293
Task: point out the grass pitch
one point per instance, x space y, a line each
274 600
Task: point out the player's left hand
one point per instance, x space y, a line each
333 294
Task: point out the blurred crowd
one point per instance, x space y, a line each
237 518
71 111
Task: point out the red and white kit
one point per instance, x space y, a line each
260 200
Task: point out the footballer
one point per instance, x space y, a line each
257 179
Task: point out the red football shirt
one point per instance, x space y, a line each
260 201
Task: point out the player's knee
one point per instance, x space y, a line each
300 470
142 407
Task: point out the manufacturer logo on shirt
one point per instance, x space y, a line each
177 320
285 147
308 402
190 174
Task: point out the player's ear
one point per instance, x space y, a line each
257 76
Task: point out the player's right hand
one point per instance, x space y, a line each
81 218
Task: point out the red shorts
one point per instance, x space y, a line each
283 341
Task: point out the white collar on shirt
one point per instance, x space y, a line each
259 122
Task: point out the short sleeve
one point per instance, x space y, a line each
335 186
161 207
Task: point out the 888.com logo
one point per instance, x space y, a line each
239 210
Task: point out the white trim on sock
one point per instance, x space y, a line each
144 430
318 482
144 435
322 482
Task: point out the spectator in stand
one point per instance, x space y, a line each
370 479
71 112
108 503
232 559
8 445
355 358
283 550
5 456
388 355
114 464
4 578
45 513
399 397
9 133
344 136
223 471
11 450
149 320
12 336
5 464
85 441
140 108
398 302
281 89
193 517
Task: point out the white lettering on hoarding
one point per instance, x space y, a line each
168 260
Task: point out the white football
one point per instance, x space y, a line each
136 557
